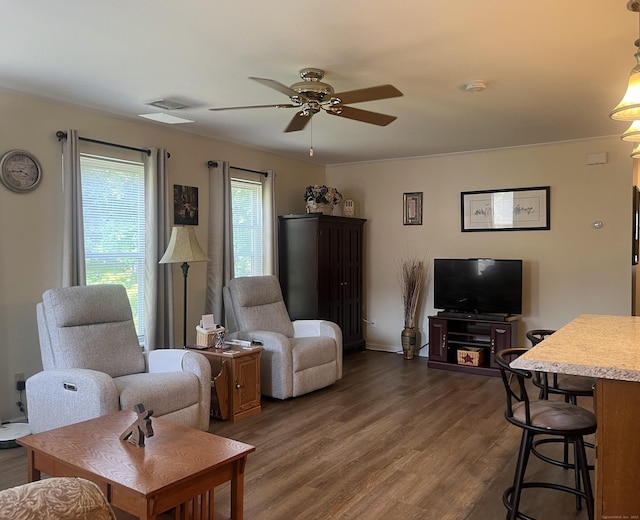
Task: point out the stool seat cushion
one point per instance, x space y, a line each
556 415
581 384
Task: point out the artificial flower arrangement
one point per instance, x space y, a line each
322 195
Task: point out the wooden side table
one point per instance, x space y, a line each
236 388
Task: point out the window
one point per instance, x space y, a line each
114 226
246 207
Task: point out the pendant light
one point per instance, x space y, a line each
629 107
632 134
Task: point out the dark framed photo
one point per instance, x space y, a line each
515 209
412 208
185 205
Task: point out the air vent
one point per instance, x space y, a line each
167 104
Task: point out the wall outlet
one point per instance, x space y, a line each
19 380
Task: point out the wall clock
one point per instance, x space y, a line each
20 171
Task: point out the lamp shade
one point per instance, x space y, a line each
632 134
183 247
629 108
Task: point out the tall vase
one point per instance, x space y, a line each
408 338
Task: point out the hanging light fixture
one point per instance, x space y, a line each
629 107
632 134
311 144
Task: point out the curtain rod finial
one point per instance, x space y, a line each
212 164
61 135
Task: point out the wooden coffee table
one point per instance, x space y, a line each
178 467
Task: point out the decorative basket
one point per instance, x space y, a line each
211 338
317 207
471 356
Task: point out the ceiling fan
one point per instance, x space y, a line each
312 95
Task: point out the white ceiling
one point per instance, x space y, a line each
554 69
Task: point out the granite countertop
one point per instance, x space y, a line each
606 347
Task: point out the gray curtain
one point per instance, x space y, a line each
219 239
73 263
270 223
158 284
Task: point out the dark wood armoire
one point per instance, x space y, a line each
320 261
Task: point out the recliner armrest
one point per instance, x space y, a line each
311 328
59 397
181 360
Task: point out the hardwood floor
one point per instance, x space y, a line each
392 440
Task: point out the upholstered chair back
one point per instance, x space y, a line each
257 304
89 327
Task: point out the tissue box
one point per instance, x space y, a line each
471 356
210 338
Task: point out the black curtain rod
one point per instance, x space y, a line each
63 135
214 164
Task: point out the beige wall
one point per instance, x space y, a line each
30 223
569 270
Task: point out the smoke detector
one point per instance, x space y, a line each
477 85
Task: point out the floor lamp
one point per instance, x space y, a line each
183 248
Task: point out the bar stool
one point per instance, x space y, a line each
571 387
542 417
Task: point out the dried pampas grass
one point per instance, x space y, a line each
412 275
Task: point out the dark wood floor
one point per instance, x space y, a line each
392 440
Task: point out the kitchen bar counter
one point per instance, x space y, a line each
607 348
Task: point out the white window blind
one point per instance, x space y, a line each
114 226
246 207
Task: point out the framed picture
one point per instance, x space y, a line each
516 209
412 203
635 249
185 205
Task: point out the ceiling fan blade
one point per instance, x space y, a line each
288 105
375 118
271 83
298 122
368 94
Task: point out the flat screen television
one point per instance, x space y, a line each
477 285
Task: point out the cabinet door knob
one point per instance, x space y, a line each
237 386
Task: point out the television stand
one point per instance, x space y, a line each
476 337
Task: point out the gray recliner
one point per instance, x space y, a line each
94 365
299 356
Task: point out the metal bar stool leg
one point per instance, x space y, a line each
581 462
512 496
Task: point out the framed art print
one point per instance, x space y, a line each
517 209
412 209
185 205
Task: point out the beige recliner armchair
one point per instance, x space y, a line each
94 365
299 356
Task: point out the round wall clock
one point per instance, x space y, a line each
20 171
